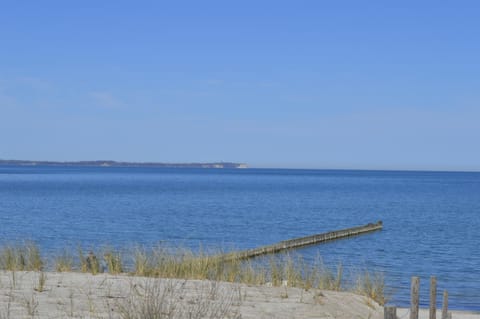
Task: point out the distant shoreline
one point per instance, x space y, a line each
109 163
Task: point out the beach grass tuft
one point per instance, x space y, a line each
170 299
25 256
372 285
64 262
113 261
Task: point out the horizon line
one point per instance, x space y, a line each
244 165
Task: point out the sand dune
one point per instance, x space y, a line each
79 295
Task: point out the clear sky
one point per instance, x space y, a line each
303 84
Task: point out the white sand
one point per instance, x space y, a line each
424 314
78 295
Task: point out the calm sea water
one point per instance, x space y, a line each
431 219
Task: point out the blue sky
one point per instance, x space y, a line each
303 84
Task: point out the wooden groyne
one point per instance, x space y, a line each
306 241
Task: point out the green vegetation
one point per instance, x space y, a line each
275 270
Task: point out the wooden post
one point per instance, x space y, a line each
445 305
389 312
433 297
415 298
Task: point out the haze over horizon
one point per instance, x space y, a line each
343 85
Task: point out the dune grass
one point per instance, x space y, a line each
372 285
169 299
288 270
64 262
21 257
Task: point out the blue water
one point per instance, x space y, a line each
431 219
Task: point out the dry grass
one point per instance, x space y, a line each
372 285
276 270
112 261
42 279
64 262
21 257
171 300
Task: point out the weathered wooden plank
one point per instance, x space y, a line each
389 312
433 298
415 298
445 305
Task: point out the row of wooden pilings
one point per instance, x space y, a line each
390 312
305 241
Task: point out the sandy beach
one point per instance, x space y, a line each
81 295
424 314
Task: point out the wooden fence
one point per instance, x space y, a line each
391 312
